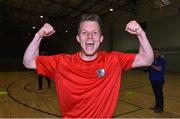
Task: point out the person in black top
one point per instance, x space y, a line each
40 77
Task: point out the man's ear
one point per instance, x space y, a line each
77 38
101 38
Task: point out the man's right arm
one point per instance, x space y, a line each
32 50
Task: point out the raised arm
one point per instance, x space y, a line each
145 56
32 50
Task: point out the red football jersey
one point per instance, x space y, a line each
86 88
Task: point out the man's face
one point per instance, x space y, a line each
89 37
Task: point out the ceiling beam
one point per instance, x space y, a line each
21 10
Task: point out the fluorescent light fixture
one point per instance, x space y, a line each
166 2
161 3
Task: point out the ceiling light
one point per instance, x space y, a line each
160 3
111 9
41 16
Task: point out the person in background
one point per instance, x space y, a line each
88 82
40 77
157 78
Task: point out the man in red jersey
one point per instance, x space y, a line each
87 82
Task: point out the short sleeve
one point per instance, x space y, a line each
125 59
47 65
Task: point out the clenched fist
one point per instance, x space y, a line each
134 28
46 30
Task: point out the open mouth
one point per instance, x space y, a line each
89 45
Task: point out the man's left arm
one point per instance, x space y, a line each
145 56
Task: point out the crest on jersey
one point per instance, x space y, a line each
100 72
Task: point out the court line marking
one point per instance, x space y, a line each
9 94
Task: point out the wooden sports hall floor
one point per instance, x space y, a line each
19 97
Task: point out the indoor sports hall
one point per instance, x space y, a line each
20 20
